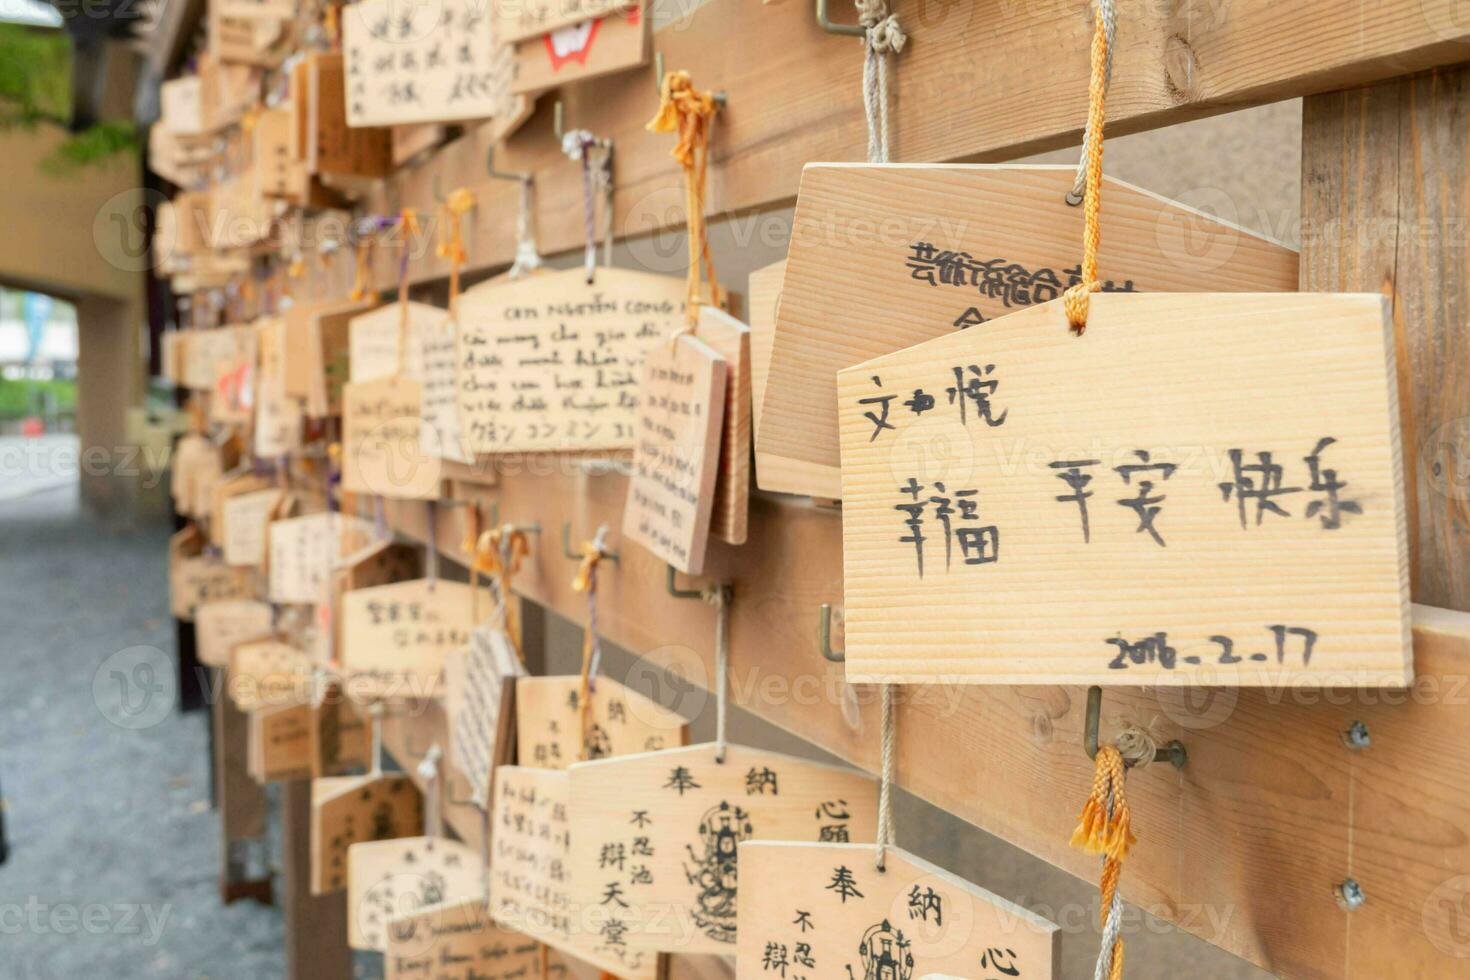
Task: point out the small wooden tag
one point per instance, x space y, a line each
278 415
280 743
355 809
530 877
824 910
204 579
233 484
389 879
341 741
244 519
232 394
382 451
304 550
479 699
728 337
268 672
335 147
440 433
459 941
534 18
676 457
551 363
587 49
395 638
765 299
219 626
317 354
654 836
549 725
374 339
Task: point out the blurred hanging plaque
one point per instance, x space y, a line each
334 146
317 355
534 18
438 359
304 550
379 340
278 415
199 579
395 637
623 721
552 362
218 626
232 396
959 246
530 878
588 49
419 63
824 910
236 482
676 455
280 743
382 449
268 672
352 810
459 941
730 516
389 879
243 523
341 741
1192 492
654 836
479 700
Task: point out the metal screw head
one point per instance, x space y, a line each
1350 895
1356 736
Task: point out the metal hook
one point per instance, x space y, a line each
824 636
438 191
503 174
474 799
826 24
658 79
523 528
679 593
566 545
1173 752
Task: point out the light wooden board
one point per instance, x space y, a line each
334 146
243 527
586 50
765 299
280 743
304 550
551 362
317 353
676 458
208 353
218 626
1249 532
203 579
269 672
232 395
530 875
395 637
377 340
654 835
379 563
479 691
352 810
389 879
624 722
826 910
234 483
459 941
438 356
884 257
532 18
278 415
382 448
427 63
341 740
730 518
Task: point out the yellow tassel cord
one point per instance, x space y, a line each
450 245
1105 828
362 276
684 111
408 230
499 554
1077 299
586 583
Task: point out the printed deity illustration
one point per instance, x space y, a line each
885 953
715 872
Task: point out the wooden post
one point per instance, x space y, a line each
316 926
241 800
1385 209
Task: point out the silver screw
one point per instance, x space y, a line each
1350 895
1357 737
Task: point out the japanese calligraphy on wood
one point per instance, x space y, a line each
383 453
243 526
395 637
440 433
824 910
200 579
623 721
1188 493
389 879
459 941
352 810
551 362
479 698
654 836
676 458
960 245
278 415
333 146
304 550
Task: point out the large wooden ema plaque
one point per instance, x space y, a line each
1201 489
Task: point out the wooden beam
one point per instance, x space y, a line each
316 926
969 86
1385 208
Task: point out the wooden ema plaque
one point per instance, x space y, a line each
317 354
232 395
219 626
304 550
624 722
278 415
440 433
389 879
380 563
552 362
589 49
341 741
395 637
459 941
1186 494
232 484
676 459
268 672
383 452
728 337
353 810
426 63
200 579
374 339
242 528
824 910
653 859
531 877
280 743
960 245
765 299
479 700
334 147
533 18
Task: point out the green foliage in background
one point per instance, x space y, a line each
21 399
35 89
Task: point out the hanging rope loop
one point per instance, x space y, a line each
689 113
1105 828
1077 299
